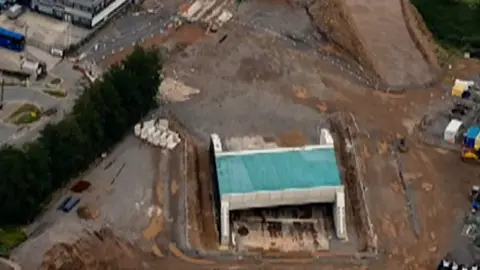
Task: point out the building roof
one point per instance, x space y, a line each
277 170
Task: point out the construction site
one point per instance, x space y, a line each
257 185
303 140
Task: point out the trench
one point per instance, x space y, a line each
214 256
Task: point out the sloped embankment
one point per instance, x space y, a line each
387 37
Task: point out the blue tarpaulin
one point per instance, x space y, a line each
472 134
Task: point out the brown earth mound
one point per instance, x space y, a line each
387 37
88 212
96 251
80 186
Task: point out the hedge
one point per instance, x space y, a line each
99 119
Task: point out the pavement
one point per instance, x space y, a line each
34 94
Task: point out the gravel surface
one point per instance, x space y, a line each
245 84
123 206
287 21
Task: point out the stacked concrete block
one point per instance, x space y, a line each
156 132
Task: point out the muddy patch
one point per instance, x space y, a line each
172 90
261 68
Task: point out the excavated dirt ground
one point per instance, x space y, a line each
386 37
439 180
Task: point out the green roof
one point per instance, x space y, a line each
272 171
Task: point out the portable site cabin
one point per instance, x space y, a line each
451 131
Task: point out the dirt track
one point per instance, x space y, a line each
384 36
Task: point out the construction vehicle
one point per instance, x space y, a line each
471 144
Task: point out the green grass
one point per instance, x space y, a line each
25 118
25 114
58 93
56 81
24 108
10 238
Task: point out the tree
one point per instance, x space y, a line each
91 122
453 22
146 65
12 186
470 3
67 147
37 175
127 86
110 107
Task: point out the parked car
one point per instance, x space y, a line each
14 12
68 204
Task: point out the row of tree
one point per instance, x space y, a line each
453 22
99 119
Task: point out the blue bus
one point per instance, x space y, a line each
12 40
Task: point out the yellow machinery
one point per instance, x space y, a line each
469 154
471 144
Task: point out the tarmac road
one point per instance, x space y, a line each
128 30
27 94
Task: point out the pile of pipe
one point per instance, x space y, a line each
156 132
450 265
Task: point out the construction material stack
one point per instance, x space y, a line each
156 132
